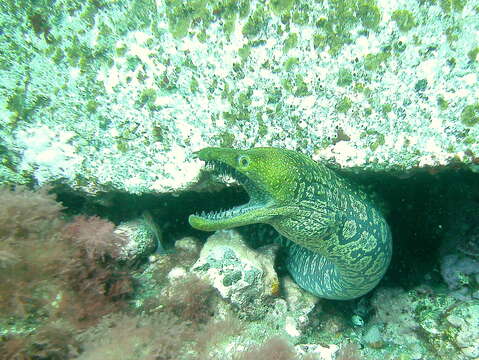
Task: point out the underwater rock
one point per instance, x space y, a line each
421 323
395 312
122 105
373 337
317 351
465 320
162 272
142 237
244 277
300 304
459 251
456 271
188 244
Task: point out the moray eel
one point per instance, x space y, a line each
338 245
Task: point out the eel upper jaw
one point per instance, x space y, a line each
259 208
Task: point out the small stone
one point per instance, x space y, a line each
300 304
176 273
421 85
324 352
141 238
430 326
188 244
455 320
357 320
297 298
243 276
373 337
291 327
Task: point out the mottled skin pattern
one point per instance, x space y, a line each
338 244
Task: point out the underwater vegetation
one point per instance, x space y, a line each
58 276
273 349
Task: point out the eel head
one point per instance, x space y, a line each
267 175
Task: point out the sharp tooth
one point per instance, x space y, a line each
227 179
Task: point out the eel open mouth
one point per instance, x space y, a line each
243 214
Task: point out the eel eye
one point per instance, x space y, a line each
243 161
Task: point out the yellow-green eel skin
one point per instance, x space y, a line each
338 245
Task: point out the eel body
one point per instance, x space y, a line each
338 245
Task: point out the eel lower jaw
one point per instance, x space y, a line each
245 214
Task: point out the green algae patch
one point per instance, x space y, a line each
386 109
244 52
179 18
257 22
319 41
301 88
345 77
373 61
200 14
290 63
453 33
470 115
342 17
92 106
280 7
243 8
290 42
344 105
229 11
380 140
472 55
404 19
296 86
449 6
420 85
369 14
141 13
227 139
442 103
301 14
194 85
147 98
